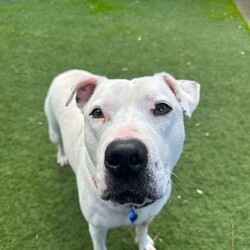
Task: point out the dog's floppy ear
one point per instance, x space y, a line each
83 90
187 93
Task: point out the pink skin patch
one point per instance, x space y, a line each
84 90
126 132
173 86
84 93
94 181
171 83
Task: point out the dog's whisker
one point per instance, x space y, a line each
173 184
175 175
172 173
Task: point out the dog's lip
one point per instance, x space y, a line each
113 198
125 197
144 204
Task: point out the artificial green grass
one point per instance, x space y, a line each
202 40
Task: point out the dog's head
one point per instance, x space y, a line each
134 133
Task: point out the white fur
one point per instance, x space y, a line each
128 106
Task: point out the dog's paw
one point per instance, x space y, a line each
62 160
146 243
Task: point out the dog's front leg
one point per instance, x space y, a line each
142 238
98 236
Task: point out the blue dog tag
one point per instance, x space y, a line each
132 215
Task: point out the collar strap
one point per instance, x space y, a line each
145 205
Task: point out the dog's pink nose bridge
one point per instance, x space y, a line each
127 132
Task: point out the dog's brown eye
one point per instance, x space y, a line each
97 113
161 109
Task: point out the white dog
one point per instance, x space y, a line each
122 139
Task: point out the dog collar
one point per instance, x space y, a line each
133 216
146 204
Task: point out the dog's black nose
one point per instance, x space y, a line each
126 157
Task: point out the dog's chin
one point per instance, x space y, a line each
128 198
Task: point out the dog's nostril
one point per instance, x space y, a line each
113 161
135 159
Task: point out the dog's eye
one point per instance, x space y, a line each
161 109
97 113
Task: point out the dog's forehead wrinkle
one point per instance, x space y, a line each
113 93
131 94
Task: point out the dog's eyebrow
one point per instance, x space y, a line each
149 98
156 97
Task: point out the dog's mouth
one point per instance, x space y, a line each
129 198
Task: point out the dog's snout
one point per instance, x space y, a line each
126 157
